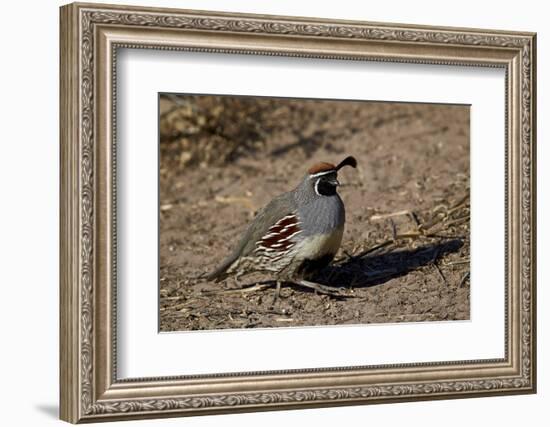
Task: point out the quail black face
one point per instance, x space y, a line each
325 185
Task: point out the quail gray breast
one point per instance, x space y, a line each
297 234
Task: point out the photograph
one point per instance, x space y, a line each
289 212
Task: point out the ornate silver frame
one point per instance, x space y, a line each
90 36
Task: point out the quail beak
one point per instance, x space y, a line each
334 182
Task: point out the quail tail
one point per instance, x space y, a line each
220 273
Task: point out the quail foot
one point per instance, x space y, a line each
296 235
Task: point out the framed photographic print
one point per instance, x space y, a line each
265 212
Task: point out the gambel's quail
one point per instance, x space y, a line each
297 234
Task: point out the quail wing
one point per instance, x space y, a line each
269 229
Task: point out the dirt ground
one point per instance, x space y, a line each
405 254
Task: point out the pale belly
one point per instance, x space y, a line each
314 247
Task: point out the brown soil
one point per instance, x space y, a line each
406 248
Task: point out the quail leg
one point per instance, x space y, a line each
322 289
277 292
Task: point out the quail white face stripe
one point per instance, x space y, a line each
317 189
315 175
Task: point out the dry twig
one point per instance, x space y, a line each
464 278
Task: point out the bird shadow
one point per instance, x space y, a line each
366 269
